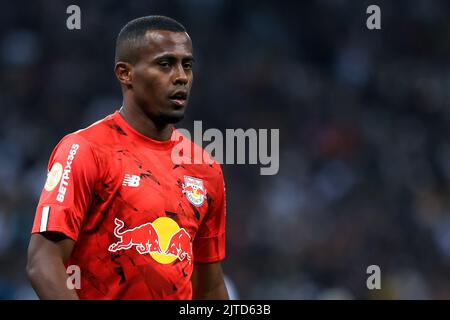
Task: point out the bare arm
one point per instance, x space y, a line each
47 253
208 282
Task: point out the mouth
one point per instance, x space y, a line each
179 97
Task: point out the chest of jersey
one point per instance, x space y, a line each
150 205
152 184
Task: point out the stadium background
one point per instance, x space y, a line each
364 133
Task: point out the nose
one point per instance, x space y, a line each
180 76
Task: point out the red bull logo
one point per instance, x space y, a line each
163 239
180 245
194 190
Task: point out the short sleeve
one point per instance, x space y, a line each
68 190
209 242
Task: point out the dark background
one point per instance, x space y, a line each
364 138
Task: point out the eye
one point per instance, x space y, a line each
187 65
164 64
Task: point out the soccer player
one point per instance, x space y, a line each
137 224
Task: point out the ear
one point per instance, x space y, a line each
123 73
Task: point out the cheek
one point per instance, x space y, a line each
158 89
147 83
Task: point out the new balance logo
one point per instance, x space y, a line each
131 180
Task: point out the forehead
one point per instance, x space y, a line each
159 42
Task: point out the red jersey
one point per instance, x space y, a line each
139 220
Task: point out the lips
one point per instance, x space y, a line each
179 97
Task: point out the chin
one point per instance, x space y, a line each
171 117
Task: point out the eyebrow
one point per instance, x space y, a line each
173 57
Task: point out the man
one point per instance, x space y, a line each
115 204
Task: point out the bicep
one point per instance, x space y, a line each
47 253
49 245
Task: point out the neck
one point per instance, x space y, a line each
140 122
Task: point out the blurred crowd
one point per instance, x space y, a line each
363 115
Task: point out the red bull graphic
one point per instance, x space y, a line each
180 245
163 239
144 237
194 190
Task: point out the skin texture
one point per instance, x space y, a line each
208 283
163 67
47 253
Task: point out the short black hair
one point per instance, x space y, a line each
131 35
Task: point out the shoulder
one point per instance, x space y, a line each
89 142
100 131
95 135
